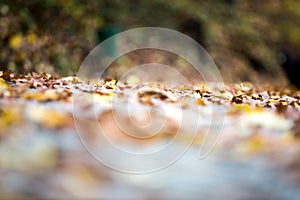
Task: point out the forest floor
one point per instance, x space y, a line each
48 127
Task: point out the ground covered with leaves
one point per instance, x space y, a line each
256 157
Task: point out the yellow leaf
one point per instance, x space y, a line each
111 84
48 95
8 117
15 41
273 100
244 108
223 95
255 144
4 88
3 84
200 102
100 98
49 118
31 38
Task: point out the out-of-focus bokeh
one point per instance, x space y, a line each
46 132
243 36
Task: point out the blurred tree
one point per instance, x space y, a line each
194 29
291 66
55 35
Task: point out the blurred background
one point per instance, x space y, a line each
244 37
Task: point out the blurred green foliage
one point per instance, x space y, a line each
54 36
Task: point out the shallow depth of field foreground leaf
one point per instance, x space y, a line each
41 155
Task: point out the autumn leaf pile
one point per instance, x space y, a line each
41 155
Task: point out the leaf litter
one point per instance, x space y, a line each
37 134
